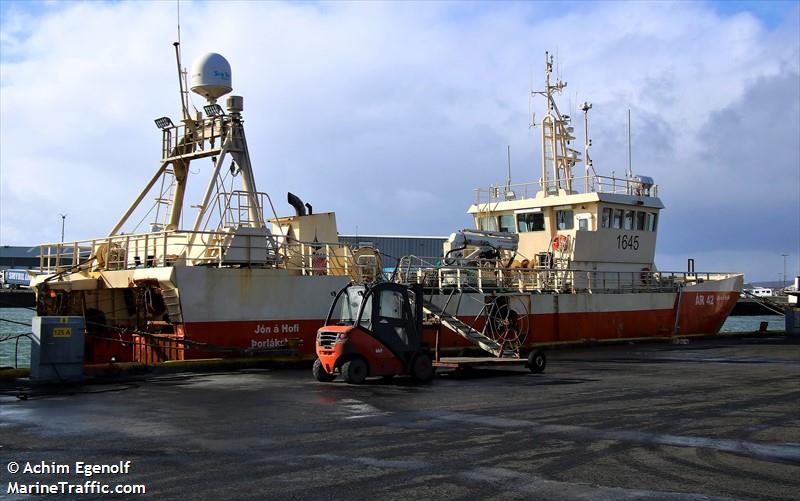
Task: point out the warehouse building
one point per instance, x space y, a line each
14 256
393 247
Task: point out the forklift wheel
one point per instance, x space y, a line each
537 361
355 371
422 368
320 374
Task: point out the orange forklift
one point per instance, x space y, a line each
374 330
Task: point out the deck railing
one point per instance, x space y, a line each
201 248
599 184
179 140
491 276
326 258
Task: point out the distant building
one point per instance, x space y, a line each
760 291
19 256
393 247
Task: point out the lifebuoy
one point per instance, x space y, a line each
644 275
559 241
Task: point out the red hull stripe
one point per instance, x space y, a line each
699 313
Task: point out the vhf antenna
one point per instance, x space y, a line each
532 123
508 179
183 91
629 174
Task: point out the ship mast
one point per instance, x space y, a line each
587 143
558 157
215 136
180 166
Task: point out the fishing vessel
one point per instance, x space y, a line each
565 259
232 283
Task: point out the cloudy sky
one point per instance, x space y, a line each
392 113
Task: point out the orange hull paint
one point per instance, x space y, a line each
697 315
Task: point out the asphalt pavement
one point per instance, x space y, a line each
708 420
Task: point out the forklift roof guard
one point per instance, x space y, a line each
352 305
349 304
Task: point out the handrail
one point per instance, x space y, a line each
168 248
178 140
235 207
596 183
490 276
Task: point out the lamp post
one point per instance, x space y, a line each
783 283
64 218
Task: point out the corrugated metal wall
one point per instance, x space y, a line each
19 256
394 247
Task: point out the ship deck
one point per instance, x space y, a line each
713 418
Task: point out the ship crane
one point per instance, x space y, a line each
487 245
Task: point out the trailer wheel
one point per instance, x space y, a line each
422 368
355 371
320 374
537 361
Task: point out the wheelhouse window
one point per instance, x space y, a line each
650 223
616 223
629 214
531 221
564 219
606 220
487 223
640 220
583 223
507 223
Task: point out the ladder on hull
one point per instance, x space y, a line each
467 332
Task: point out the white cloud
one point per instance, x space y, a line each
353 105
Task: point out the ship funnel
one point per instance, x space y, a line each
211 76
295 202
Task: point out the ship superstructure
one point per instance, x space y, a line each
567 222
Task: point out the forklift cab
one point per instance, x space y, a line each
388 311
380 325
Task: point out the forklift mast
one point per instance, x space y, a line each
419 299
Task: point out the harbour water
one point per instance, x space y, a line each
15 352
13 322
752 323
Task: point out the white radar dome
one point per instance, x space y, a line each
211 76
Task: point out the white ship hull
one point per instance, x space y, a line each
252 312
